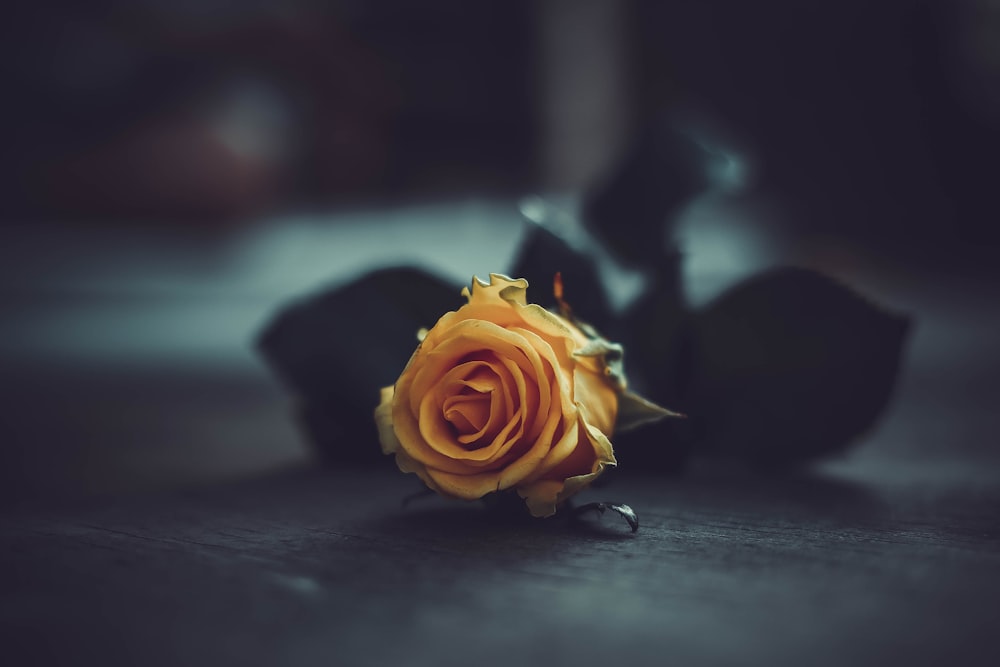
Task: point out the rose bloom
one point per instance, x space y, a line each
502 394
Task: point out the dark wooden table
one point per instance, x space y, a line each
868 562
160 509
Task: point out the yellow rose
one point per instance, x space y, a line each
502 394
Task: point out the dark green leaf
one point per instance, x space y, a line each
790 366
635 411
337 349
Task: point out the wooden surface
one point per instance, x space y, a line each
868 562
130 395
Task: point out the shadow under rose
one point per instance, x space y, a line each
434 518
807 497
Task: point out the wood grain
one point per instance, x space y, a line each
865 562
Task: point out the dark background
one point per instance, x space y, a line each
174 172
876 120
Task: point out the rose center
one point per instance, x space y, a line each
468 412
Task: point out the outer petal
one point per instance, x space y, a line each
390 443
597 399
541 497
545 495
468 487
383 420
503 301
500 287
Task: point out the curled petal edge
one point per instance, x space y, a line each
544 497
383 421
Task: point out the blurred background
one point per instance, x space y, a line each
172 172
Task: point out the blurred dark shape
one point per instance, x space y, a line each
649 186
959 96
876 124
209 111
658 356
336 350
541 255
787 367
179 112
790 366
651 332
655 327
632 212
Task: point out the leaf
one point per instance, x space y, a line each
337 349
635 411
790 366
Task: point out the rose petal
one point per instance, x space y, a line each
596 398
469 487
527 393
383 421
420 429
525 466
541 497
572 475
485 379
556 366
502 437
468 413
510 290
404 423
